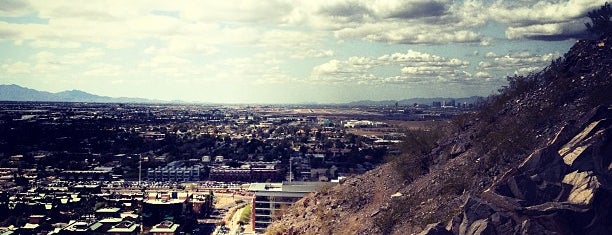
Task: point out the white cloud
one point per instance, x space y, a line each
294 44
279 42
412 66
484 64
104 70
81 57
179 46
54 44
311 53
68 59
154 25
394 21
166 65
522 62
336 71
118 24
544 31
540 12
421 71
526 70
486 41
483 75
524 58
410 9
46 63
119 44
14 8
419 67
272 11
548 20
261 68
408 34
344 11
440 22
17 68
454 22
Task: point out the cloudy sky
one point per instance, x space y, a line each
281 51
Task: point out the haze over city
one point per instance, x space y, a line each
282 51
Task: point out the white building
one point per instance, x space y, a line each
271 199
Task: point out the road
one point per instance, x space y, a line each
235 227
226 203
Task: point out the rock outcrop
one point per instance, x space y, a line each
536 160
564 188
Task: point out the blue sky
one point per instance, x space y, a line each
281 51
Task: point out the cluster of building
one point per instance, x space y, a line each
256 143
70 208
72 158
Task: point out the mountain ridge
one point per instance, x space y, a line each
18 93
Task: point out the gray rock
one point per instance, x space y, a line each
480 227
435 229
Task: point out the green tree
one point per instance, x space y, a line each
245 216
600 21
99 205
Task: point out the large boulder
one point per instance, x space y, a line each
563 188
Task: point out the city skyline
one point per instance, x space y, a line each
282 51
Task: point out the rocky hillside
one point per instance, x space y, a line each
535 160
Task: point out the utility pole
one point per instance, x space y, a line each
139 169
290 169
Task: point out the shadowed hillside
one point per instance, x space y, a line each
535 160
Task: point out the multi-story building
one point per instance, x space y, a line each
271 199
85 175
161 205
249 172
165 228
124 228
176 171
79 227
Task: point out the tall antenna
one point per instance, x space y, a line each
139 169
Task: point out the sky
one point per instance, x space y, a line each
282 51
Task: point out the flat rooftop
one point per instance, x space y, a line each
288 187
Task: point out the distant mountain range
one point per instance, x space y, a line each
19 93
